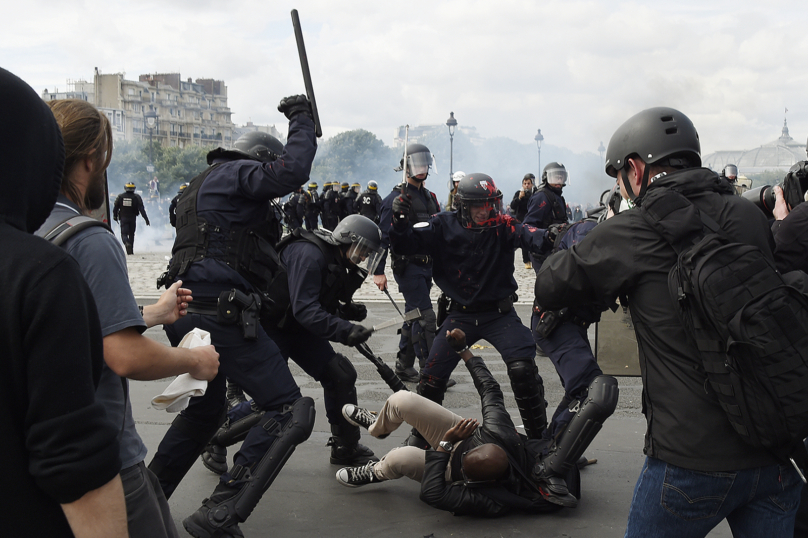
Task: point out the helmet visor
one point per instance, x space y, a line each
363 250
731 171
482 212
419 163
557 176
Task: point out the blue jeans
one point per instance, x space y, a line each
680 503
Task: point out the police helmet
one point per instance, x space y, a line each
259 146
457 176
730 172
182 188
419 160
478 201
345 186
363 239
554 174
129 187
658 135
373 186
313 186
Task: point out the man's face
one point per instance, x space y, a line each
527 184
480 213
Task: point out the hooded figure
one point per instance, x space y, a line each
59 444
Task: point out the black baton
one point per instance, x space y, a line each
304 65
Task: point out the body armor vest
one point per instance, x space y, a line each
340 280
250 250
559 214
420 212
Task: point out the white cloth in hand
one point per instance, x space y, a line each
177 395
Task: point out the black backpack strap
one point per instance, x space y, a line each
66 229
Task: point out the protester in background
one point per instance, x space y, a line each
456 177
61 450
519 208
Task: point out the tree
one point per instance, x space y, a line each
172 165
354 156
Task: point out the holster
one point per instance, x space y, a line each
443 308
549 320
237 307
399 264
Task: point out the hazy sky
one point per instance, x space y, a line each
575 69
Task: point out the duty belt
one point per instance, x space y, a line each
487 306
202 307
422 259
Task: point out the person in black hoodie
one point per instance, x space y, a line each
698 470
61 450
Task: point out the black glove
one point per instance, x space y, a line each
401 210
554 231
353 311
296 104
358 335
457 340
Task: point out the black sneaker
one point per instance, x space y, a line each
358 416
357 454
353 477
214 518
554 489
407 373
214 458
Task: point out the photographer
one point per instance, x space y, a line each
519 208
789 230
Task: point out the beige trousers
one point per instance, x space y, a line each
431 419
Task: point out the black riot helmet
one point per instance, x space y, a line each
373 186
345 186
363 240
255 145
730 172
313 186
419 160
129 187
182 188
661 135
478 201
555 174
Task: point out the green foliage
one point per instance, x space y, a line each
353 156
172 165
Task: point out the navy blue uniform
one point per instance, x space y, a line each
369 204
294 211
330 209
126 208
234 193
545 207
311 203
474 268
346 204
415 280
568 345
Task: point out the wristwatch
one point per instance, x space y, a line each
446 445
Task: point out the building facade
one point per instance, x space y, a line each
779 154
183 112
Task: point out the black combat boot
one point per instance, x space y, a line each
212 520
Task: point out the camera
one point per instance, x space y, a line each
794 185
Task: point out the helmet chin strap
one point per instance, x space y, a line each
629 189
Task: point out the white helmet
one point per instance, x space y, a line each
457 176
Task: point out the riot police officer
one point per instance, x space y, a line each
172 207
312 305
347 199
330 205
311 203
413 273
472 249
546 205
294 209
127 206
369 203
224 238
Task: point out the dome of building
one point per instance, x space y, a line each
779 154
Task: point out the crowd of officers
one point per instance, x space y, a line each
266 296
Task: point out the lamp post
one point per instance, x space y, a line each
451 123
601 149
539 138
150 119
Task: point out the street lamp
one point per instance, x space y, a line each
150 119
538 138
451 123
601 149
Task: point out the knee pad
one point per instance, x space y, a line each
523 373
429 321
339 372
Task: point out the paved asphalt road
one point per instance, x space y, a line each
306 500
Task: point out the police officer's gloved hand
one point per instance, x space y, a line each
358 335
353 311
295 104
401 210
554 231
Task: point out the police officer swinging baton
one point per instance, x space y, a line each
304 65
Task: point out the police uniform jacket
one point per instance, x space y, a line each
497 427
542 211
236 193
472 266
426 199
128 205
625 256
369 204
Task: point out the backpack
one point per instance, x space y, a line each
748 322
66 229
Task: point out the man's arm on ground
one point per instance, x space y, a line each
100 513
132 355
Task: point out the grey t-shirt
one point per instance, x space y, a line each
103 264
